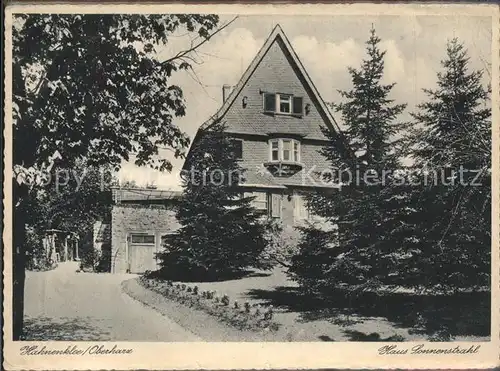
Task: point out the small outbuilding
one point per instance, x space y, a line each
140 218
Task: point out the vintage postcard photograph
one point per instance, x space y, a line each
251 186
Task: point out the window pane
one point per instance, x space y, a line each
296 152
149 239
142 238
285 103
274 150
286 150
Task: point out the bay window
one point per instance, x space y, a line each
284 150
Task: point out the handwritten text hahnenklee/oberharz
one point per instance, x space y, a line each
427 349
73 350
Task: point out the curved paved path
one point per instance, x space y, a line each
64 305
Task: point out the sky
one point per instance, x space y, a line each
327 46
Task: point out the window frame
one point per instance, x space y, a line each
295 156
279 99
142 235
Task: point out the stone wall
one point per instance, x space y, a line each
127 219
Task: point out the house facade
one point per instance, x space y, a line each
276 115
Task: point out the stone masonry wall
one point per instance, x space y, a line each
128 219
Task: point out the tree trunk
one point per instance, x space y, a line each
18 264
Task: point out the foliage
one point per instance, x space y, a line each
427 227
37 258
104 262
281 244
91 86
89 258
216 220
453 135
354 253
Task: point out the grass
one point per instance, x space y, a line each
398 316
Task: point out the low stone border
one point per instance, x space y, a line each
242 316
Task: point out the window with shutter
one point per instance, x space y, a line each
269 102
297 106
284 102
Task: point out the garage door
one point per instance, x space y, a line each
142 250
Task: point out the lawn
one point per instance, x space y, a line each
400 316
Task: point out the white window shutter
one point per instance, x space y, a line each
276 205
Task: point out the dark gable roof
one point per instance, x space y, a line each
276 35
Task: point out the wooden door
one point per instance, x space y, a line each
142 250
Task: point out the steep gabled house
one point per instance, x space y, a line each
275 114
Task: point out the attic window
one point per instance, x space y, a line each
285 104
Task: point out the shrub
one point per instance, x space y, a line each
104 260
247 307
225 300
311 266
90 258
195 290
281 244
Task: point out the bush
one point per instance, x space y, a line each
104 260
281 245
90 258
310 267
37 259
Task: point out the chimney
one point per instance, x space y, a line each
226 89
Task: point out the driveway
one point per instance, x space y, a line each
64 305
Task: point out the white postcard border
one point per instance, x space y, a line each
252 355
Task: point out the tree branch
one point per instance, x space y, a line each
183 53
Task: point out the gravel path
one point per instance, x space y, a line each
65 305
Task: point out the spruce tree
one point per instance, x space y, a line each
452 150
221 233
368 145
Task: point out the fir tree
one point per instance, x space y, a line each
221 232
369 144
453 152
